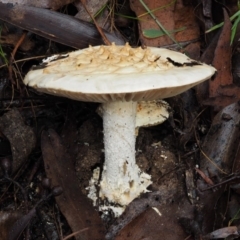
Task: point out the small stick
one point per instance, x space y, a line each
106 41
204 177
13 54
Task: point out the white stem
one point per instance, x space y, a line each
122 180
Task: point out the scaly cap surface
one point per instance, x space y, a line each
113 73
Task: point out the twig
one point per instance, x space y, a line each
205 155
13 55
106 41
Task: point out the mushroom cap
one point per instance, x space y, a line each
151 113
118 73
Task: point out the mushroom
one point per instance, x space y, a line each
119 77
151 113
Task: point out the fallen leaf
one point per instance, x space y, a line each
52 4
94 7
62 28
223 233
20 224
75 206
222 60
153 223
216 162
21 137
172 15
7 220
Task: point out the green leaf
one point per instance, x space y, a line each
2 54
154 33
234 29
158 23
236 15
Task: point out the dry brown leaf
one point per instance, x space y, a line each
226 232
222 60
7 219
75 206
93 7
156 223
218 153
21 137
172 17
51 4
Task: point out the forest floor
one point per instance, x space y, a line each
49 145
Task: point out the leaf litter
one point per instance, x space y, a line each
193 158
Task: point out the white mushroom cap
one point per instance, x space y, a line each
151 113
113 73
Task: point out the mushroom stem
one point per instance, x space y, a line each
122 180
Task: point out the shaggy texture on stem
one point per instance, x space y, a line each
122 180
